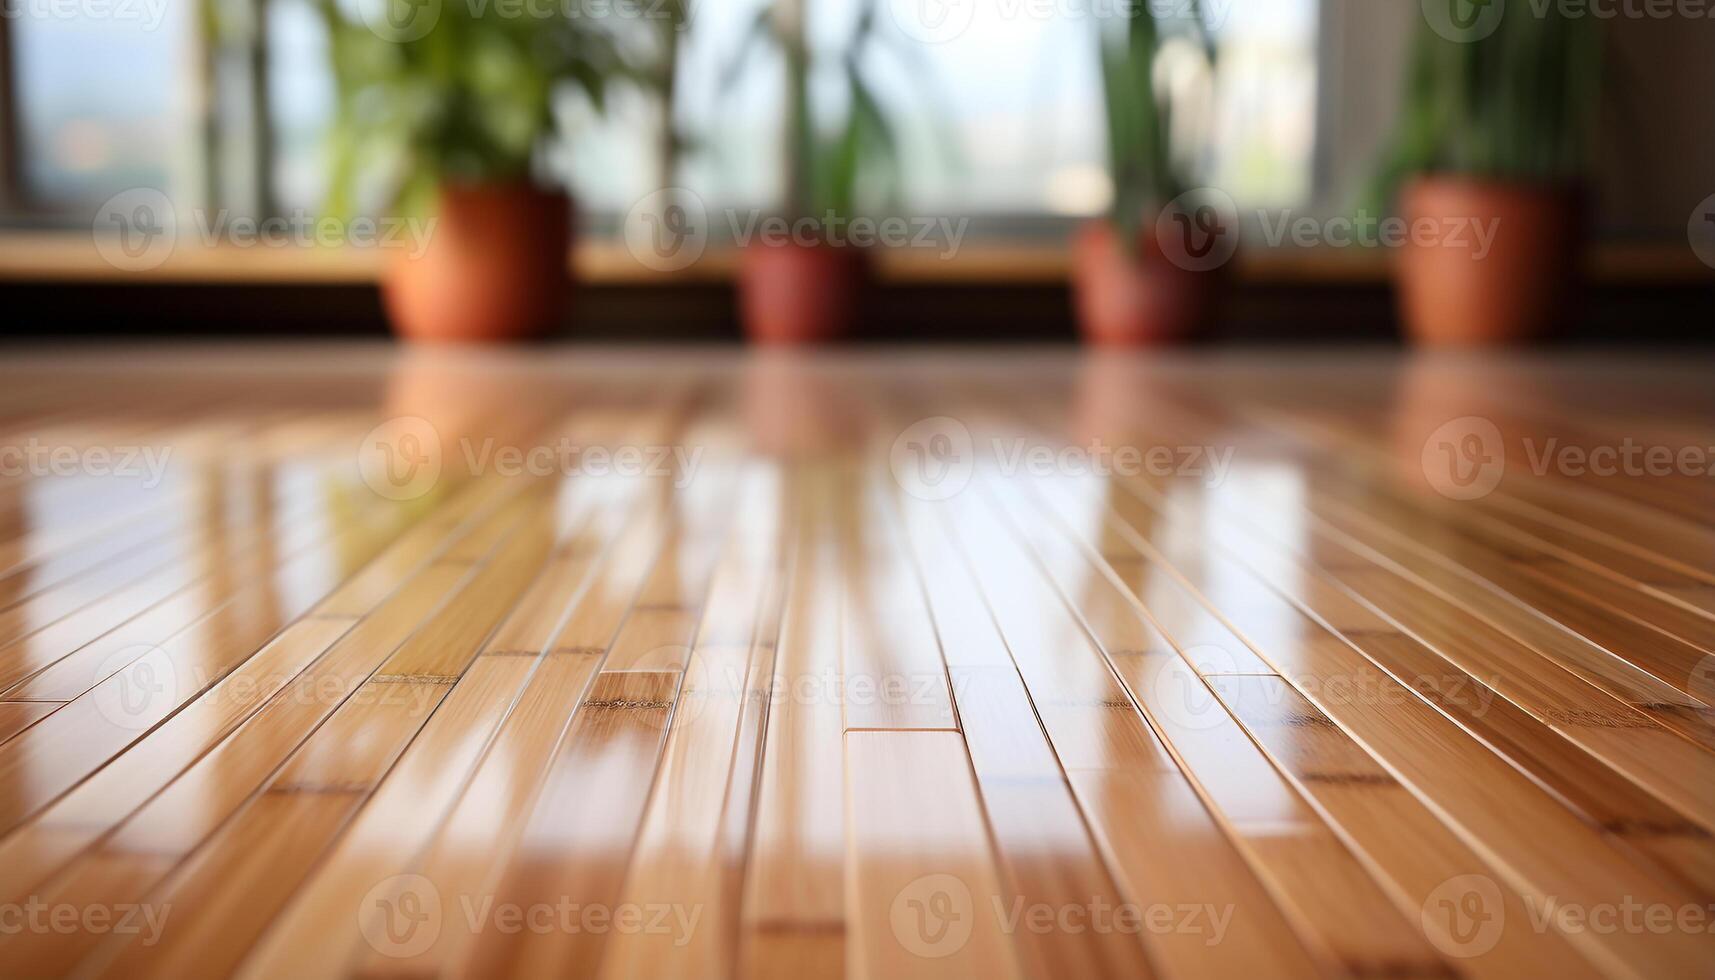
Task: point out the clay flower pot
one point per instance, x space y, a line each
1457 289
494 268
1138 298
800 294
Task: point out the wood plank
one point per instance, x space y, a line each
1496 809
922 889
794 911
1323 888
1279 707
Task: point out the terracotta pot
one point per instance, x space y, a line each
1456 292
1137 299
800 294
494 268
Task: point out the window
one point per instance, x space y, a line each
1001 119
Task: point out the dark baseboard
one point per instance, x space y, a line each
1253 313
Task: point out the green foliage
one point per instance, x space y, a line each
1519 104
1146 169
831 158
472 99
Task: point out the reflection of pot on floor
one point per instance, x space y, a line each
1501 266
797 404
1138 297
797 293
1453 422
494 268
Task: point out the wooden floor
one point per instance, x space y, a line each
338 662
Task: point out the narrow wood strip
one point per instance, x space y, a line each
576 845
682 872
1048 859
208 791
1130 759
342 761
466 854
1319 884
794 911
101 723
922 889
1511 822
895 677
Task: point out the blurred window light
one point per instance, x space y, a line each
999 115
103 102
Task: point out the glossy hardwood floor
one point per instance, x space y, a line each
326 662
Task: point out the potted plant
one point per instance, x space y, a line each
444 109
1134 279
1495 135
805 286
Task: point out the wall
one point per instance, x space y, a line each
1657 154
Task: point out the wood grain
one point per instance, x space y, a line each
692 664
